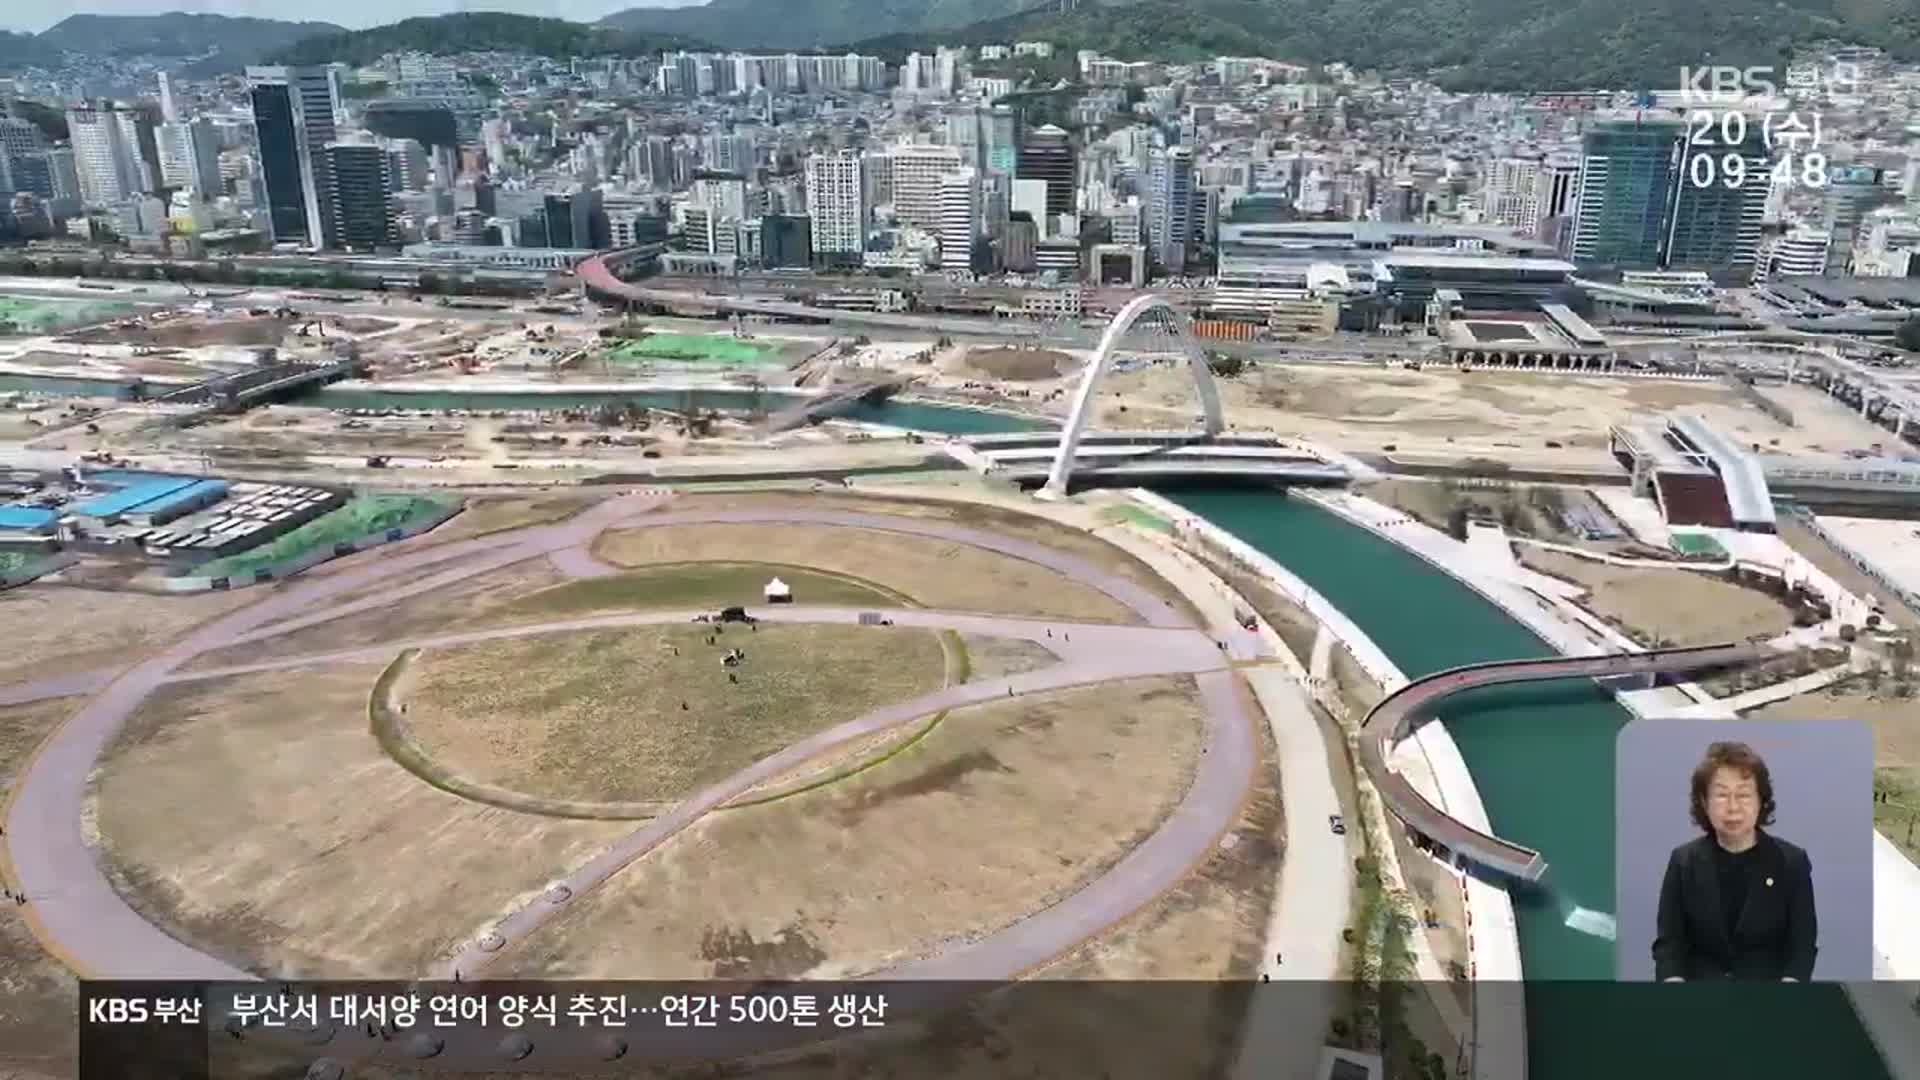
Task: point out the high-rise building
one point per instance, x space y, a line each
169 109
964 133
1047 154
407 166
1556 192
108 166
575 219
293 116
1511 193
1170 202
1719 205
1852 192
836 205
1000 139
363 215
190 156
1627 173
1800 252
960 211
917 172
64 173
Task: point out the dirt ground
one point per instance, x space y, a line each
1443 411
475 601
191 331
884 866
1896 736
1817 551
1433 501
932 572
257 819
712 585
1018 365
36 991
996 658
498 514
649 713
1685 607
53 629
928 500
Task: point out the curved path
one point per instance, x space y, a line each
80 917
1389 722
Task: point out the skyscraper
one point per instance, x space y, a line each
108 167
1047 154
358 202
190 156
1556 191
1719 203
1853 191
959 218
1627 174
293 114
1511 194
169 111
837 205
1000 139
1170 200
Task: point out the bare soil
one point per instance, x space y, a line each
886 866
932 572
499 514
1895 720
649 713
257 819
1685 607
56 629
191 332
475 601
1019 365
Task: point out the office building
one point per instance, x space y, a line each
1556 193
575 220
1047 154
108 166
425 121
1801 252
1170 205
964 133
293 115
960 213
190 156
917 173
1852 192
785 241
363 214
1651 198
1511 194
836 205
1719 209
1000 140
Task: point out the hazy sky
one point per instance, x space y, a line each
37 15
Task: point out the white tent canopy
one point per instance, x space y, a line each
778 590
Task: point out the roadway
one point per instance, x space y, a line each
1390 720
76 913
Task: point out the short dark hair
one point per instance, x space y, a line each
1739 757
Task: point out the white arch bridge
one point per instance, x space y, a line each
1054 460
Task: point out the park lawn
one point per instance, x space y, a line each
597 715
362 516
700 584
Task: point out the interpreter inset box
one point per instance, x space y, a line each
1743 850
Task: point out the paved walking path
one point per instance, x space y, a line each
78 915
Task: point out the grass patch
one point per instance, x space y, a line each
597 716
1896 808
707 348
1133 514
362 516
697 584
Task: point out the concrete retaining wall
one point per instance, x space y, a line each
37 569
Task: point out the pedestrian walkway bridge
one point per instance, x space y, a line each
1138 456
1392 720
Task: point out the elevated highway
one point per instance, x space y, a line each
1392 720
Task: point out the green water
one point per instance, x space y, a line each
56 386
1542 758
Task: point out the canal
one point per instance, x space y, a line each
1542 758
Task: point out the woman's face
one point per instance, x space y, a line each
1733 802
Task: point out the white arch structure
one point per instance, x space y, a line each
1123 321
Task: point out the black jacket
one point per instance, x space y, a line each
1775 936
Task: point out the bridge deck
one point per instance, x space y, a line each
1389 722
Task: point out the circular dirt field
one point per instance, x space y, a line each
1019 365
648 713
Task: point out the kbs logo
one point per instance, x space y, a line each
1719 81
117 1011
1723 82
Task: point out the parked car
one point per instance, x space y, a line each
1337 824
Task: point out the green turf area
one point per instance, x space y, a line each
703 348
365 515
701 584
24 315
1698 544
